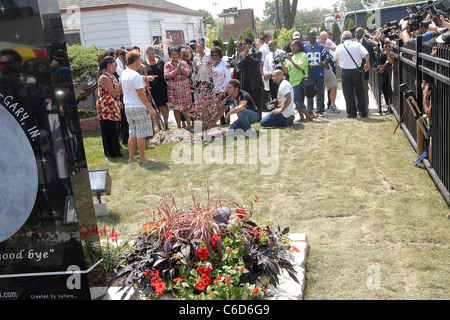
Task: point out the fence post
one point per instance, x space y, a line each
400 78
419 49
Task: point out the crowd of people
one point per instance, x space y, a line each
197 82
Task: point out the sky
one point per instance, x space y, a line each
256 5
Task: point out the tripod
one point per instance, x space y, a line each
411 100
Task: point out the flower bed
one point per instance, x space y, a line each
206 251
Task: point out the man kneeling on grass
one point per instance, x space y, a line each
283 116
241 104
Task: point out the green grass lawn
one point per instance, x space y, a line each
349 184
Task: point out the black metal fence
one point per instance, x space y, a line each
414 63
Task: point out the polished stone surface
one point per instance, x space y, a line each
48 238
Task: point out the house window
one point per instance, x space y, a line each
158 49
229 20
73 38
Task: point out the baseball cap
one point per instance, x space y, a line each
444 38
296 35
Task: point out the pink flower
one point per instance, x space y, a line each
102 232
113 234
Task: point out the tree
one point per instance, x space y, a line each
336 31
277 15
289 13
284 36
249 34
322 26
207 18
275 34
231 46
84 66
280 13
210 35
349 23
308 28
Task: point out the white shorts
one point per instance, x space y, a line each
330 78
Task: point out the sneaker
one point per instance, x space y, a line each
290 121
420 158
333 109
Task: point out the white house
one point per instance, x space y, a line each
121 23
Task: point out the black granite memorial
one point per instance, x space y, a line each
49 244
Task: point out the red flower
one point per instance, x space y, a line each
214 239
255 291
218 278
227 281
113 234
201 285
84 233
159 289
240 213
206 279
205 270
228 250
202 253
146 273
155 272
156 281
102 232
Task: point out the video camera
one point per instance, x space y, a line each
390 30
280 58
417 15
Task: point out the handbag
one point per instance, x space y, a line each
309 86
361 67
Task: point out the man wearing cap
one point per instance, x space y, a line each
287 46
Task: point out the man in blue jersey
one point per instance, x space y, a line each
316 56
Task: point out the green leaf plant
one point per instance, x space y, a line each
206 251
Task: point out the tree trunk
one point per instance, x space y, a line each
289 13
277 15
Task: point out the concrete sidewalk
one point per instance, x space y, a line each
340 104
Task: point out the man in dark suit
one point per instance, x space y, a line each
359 35
249 63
